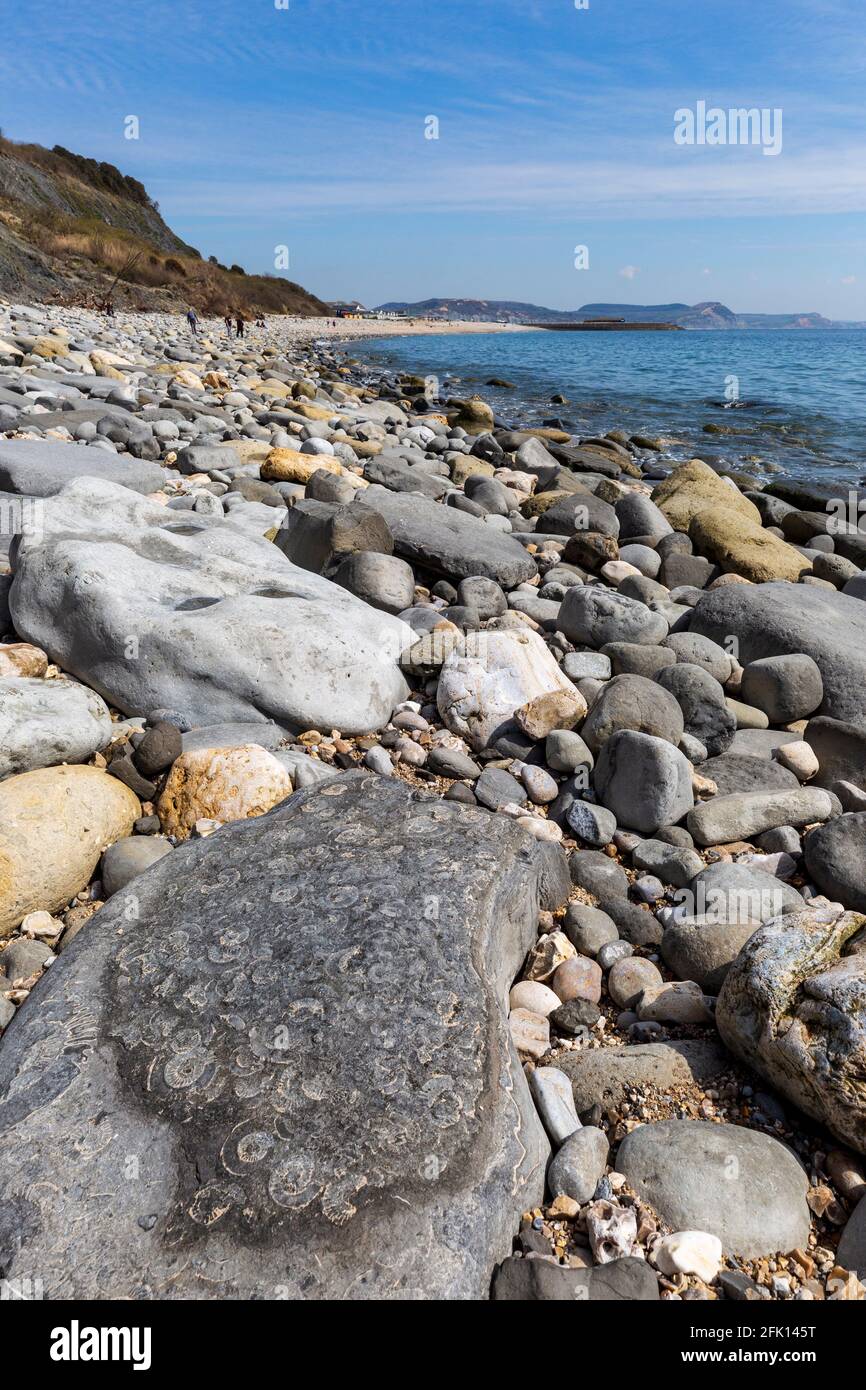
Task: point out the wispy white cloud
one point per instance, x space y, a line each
695 182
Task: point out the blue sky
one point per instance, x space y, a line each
304 126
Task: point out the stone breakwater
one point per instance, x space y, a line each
431 850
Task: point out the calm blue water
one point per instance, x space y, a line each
802 393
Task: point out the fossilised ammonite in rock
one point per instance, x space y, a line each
278 1063
793 1006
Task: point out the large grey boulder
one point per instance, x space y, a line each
38 468
645 781
46 722
786 688
592 616
632 702
702 702
448 541
300 1042
836 859
735 1183
779 618
793 1007
156 610
840 749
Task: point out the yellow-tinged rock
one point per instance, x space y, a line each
102 358
743 547
470 466
364 448
10 349
223 784
271 387
186 377
47 346
54 824
548 432
217 380
113 373
692 488
474 415
291 466
539 503
313 412
22 659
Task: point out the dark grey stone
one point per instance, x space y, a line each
127 858
317 536
581 512
578 1164
635 659
786 688
592 616
645 781
483 595
383 581
496 787
738 772
450 762
851 1253
543 1281
836 859
448 541
780 618
639 516
301 1036
161 745
701 700
840 749
695 650
598 874
735 1183
632 702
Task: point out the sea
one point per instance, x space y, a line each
765 403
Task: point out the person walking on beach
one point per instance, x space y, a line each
192 320
239 325
228 324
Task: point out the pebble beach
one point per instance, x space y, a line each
432 845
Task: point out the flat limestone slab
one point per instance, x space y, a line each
287 1073
157 609
38 468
